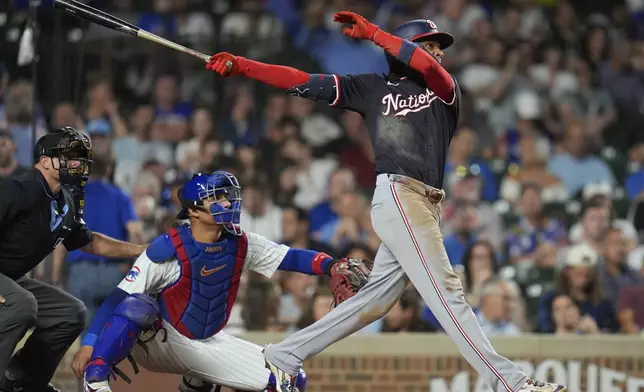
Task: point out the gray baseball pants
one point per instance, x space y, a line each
405 214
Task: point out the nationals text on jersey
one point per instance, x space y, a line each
402 106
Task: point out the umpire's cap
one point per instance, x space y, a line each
419 30
65 142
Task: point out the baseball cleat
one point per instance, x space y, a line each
97 386
538 386
280 381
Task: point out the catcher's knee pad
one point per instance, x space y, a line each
135 313
301 381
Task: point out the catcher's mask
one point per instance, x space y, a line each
212 187
417 30
73 151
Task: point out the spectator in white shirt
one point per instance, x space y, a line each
495 309
312 174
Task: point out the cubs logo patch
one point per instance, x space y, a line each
133 274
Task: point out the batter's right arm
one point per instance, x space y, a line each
348 92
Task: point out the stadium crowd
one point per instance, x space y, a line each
544 217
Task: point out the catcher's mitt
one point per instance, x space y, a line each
348 276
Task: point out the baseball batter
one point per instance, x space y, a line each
411 115
181 291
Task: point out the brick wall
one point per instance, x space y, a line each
425 363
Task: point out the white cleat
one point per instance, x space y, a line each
538 386
101 386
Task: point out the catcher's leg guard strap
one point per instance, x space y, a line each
192 384
120 334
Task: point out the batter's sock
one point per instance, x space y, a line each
291 365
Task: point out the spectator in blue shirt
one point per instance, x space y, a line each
534 227
575 166
635 184
635 181
241 125
340 181
9 165
466 221
161 21
460 162
171 114
99 132
15 115
326 44
107 210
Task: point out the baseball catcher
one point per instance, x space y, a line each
411 115
168 313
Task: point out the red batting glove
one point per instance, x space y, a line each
360 27
225 64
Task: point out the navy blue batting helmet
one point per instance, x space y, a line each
419 30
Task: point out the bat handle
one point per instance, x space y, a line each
202 56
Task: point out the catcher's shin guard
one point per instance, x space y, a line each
135 313
301 381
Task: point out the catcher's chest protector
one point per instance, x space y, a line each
198 304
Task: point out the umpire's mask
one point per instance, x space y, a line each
73 152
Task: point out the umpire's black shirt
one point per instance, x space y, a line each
33 221
410 126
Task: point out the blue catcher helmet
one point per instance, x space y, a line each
203 187
418 30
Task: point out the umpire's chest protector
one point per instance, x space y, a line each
198 304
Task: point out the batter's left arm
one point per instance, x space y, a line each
410 54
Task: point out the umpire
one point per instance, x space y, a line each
39 210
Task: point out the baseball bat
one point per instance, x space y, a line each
104 19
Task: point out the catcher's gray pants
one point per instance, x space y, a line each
58 318
406 215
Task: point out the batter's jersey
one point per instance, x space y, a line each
146 276
410 127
